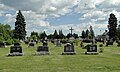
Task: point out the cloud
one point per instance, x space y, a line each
49 7
4 7
36 13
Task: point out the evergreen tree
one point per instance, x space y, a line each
55 35
83 35
20 24
87 34
61 35
112 27
43 35
118 31
91 36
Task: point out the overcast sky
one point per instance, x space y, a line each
48 15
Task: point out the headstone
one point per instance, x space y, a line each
71 39
91 49
15 50
26 42
31 44
45 43
2 45
68 49
42 50
58 43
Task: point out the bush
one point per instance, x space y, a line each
9 42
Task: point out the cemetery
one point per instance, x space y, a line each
110 57
56 53
75 37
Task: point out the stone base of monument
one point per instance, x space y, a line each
91 53
68 53
42 53
15 54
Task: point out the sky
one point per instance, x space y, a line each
48 15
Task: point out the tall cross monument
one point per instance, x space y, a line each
71 30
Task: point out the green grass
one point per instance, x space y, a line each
108 61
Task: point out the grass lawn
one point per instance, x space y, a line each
108 61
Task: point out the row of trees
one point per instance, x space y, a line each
55 35
19 32
89 34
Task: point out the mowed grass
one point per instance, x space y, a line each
108 61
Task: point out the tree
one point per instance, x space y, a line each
112 27
20 24
5 32
91 36
68 35
50 36
83 35
118 31
34 33
87 34
55 35
75 35
43 35
61 35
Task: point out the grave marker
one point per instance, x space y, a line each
16 50
42 50
91 49
68 49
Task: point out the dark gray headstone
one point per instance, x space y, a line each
26 42
91 49
15 51
31 44
42 50
69 49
